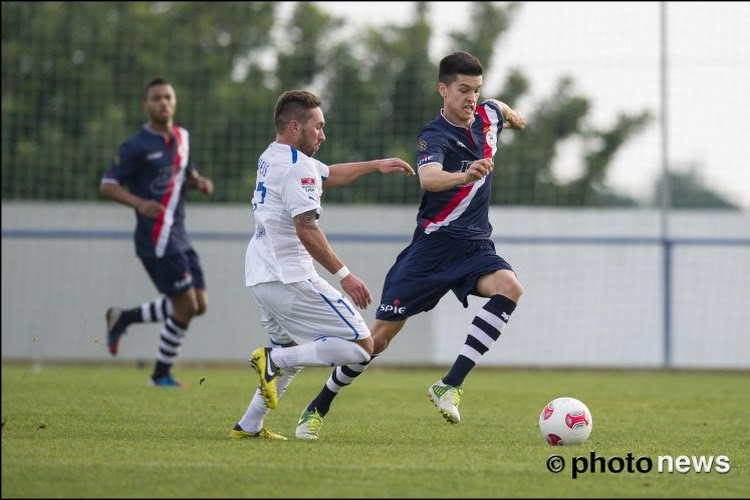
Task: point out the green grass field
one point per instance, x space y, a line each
98 431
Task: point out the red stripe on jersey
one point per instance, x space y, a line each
486 128
460 195
169 192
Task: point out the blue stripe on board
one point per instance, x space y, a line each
93 234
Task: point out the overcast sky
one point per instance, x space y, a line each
612 50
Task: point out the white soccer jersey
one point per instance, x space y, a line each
288 183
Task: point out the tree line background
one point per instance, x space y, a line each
73 75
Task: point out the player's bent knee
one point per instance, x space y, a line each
185 309
202 304
363 354
512 289
367 344
515 292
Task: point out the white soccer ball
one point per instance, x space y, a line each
565 421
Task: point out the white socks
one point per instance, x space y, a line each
252 421
325 351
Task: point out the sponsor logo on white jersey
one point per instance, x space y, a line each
308 184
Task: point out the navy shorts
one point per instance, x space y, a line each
174 274
431 266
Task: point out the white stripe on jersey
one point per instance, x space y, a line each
174 198
495 120
458 210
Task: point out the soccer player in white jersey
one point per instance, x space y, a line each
309 321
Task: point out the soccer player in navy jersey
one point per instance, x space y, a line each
451 249
156 166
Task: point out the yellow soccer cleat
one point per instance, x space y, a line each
260 360
447 399
238 433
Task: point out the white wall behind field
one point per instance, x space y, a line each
593 284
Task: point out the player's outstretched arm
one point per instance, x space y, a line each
345 173
317 245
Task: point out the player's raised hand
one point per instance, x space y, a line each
394 166
516 120
357 290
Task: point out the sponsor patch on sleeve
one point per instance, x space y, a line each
424 159
308 184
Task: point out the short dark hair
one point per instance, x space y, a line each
157 80
294 105
458 63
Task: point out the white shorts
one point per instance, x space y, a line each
307 310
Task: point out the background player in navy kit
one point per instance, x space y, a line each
156 165
451 249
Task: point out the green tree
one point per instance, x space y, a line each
73 74
526 162
382 95
72 80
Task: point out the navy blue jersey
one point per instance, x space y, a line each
463 211
156 169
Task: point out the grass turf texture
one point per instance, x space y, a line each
98 431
